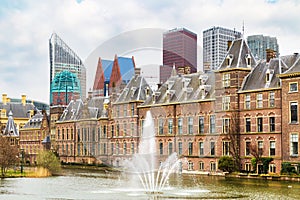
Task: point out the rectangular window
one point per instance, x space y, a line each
272 99
247 101
226 125
212 124
117 148
226 80
225 102
118 111
248 146
161 148
124 148
201 125
124 129
293 87
180 121
112 130
201 148
212 148
294 112
161 126
294 144
118 130
248 167
125 110
132 109
260 147
272 148
248 125
272 124
259 124
112 148
190 165
179 148
132 129
213 166
201 166
170 148
170 126
190 148
132 148
226 148
272 168
190 125
259 101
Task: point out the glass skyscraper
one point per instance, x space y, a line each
215 45
260 43
62 59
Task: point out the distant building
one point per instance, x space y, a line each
179 49
21 111
259 45
35 136
215 45
111 74
63 58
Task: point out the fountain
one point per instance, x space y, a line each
144 164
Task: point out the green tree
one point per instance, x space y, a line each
48 160
8 155
226 163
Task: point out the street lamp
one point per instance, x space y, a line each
22 159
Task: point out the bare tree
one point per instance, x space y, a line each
8 155
234 136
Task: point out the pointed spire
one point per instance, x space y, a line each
174 72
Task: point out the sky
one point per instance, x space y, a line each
85 25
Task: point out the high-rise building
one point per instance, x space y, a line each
67 73
259 44
179 49
215 45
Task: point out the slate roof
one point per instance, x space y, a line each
11 128
18 109
184 88
35 121
137 89
294 62
256 79
239 50
90 109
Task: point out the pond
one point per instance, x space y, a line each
84 184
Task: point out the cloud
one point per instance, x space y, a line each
26 27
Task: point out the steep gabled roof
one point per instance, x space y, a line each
11 128
136 90
238 53
99 77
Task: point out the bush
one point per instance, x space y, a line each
226 163
287 168
48 160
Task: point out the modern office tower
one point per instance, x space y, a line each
179 49
215 45
259 44
65 62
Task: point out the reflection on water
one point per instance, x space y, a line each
79 184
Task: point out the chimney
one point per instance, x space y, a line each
23 99
137 71
4 99
229 43
270 53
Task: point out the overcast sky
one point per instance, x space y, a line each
26 27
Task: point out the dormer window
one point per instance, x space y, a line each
229 59
268 77
248 60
